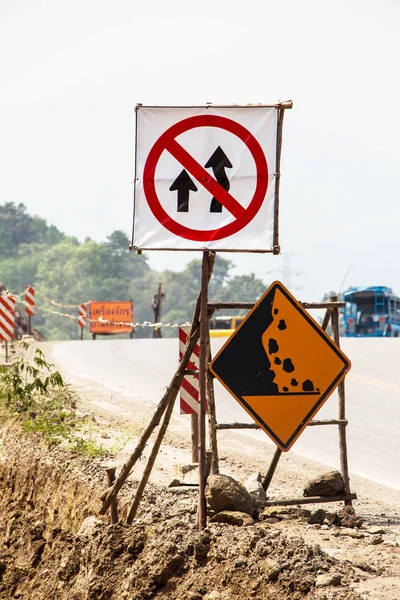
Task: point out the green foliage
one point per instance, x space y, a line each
88 445
39 396
69 272
242 288
17 228
327 296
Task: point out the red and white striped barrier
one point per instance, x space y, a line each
30 305
7 317
189 396
82 315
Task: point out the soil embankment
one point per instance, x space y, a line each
54 545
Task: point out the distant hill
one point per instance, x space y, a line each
66 273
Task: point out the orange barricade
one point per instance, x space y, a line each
112 313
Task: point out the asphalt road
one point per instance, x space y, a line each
143 368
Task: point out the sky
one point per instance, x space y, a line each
72 72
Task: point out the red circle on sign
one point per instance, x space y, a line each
168 137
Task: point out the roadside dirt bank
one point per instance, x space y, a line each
55 546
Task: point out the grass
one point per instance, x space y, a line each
36 394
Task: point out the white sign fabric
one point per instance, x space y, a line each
205 178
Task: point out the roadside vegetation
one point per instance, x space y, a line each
36 395
71 272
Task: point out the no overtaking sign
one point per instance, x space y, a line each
205 178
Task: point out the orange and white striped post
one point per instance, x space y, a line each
30 305
82 316
7 319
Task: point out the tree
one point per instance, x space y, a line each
242 288
63 270
17 227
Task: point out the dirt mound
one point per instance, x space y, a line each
55 546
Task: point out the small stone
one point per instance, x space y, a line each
330 518
271 520
254 486
232 517
269 511
174 483
328 580
376 530
376 540
357 535
364 566
346 517
225 493
301 513
275 512
214 595
89 526
328 484
272 570
317 517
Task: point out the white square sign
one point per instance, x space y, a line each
205 178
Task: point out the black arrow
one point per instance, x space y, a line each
184 185
219 162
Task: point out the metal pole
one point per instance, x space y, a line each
29 325
342 410
6 346
201 512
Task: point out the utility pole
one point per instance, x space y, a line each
156 306
286 272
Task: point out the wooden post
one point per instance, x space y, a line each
201 512
149 466
271 470
194 422
281 111
168 398
212 416
114 505
156 306
196 316
327 318
342 411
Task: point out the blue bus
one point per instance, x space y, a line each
371 312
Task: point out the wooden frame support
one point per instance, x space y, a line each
203 367
331 315
342 410
165 408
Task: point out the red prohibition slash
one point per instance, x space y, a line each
167 141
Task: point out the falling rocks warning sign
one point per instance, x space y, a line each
280 365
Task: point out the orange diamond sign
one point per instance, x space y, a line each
280 365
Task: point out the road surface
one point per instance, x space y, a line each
142 369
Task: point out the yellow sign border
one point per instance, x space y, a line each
284 446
